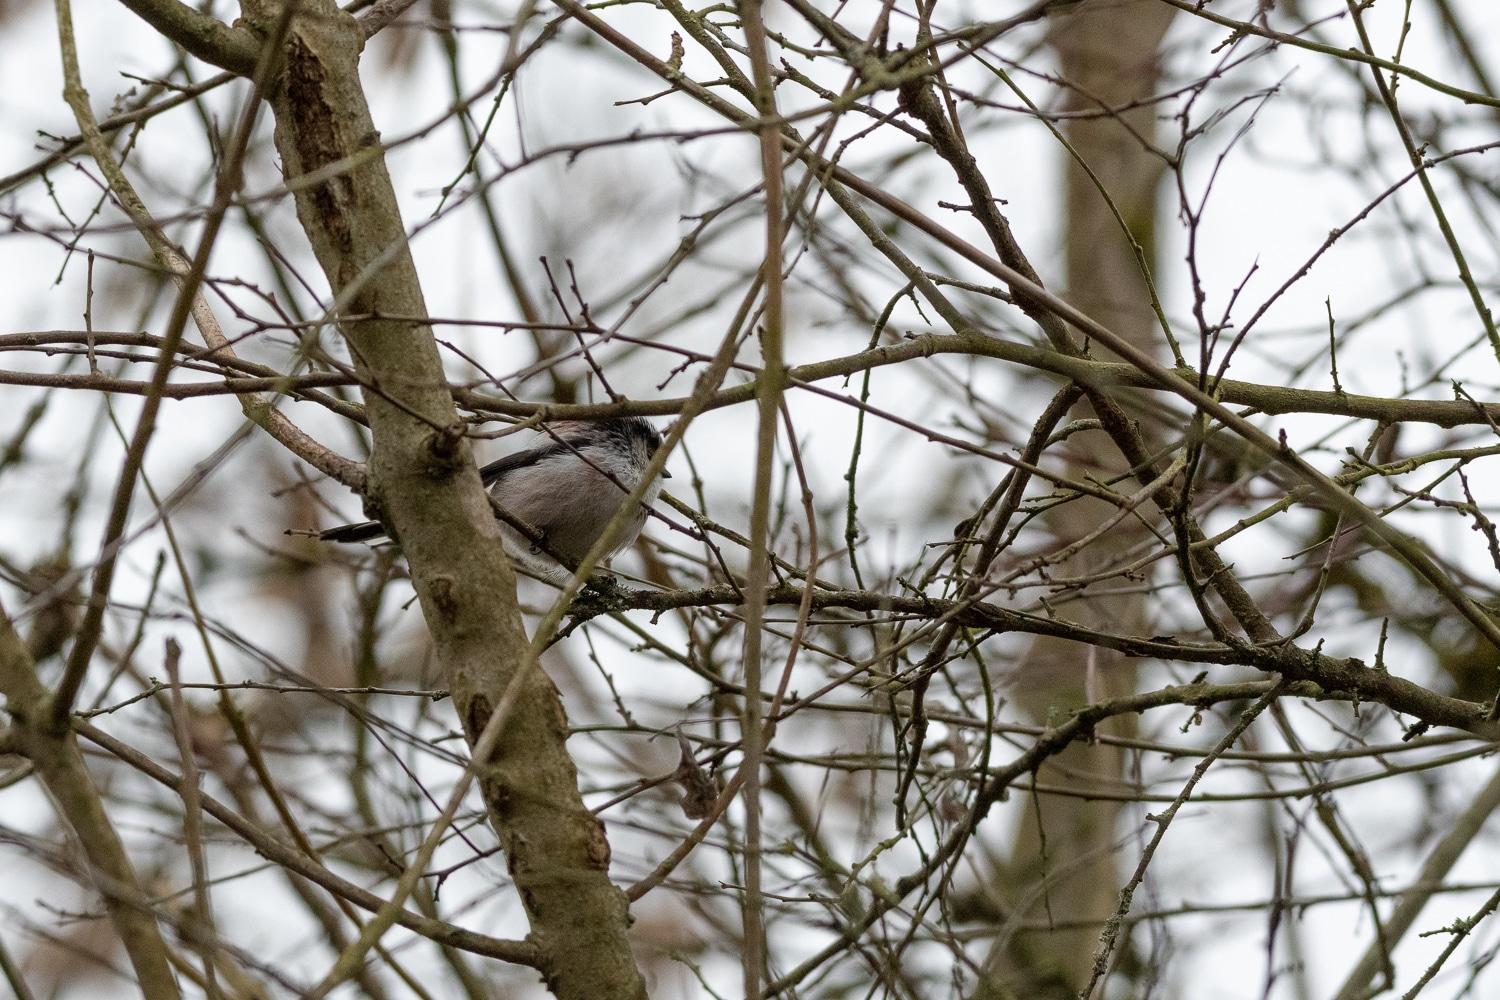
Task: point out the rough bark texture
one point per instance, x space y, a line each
53 751
424 486
1064 858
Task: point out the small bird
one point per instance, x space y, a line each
567 488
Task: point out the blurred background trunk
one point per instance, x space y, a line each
1063 867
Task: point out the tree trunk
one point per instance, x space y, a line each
424 486
1063 861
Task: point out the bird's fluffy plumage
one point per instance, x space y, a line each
568 487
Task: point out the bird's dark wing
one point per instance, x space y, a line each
367 530
500 466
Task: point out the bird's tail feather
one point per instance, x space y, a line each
348 533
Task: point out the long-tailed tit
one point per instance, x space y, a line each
567 488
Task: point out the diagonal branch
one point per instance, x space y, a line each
53 751
203 35
1440 860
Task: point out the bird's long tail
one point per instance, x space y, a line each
362 532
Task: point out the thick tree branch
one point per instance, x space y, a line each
1260 398
203 35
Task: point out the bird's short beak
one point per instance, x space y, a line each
665 474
